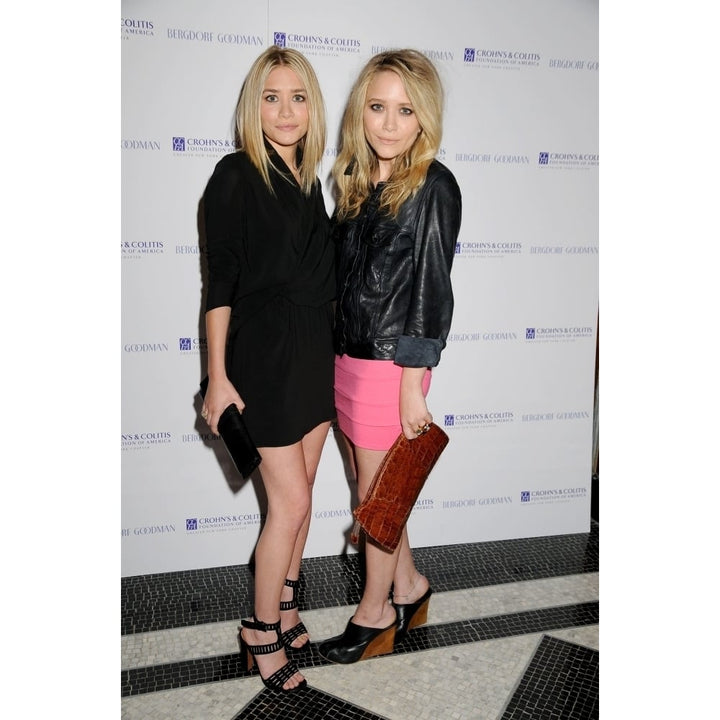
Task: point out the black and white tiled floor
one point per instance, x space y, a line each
512 634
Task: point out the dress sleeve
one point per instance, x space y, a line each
428 321
223 229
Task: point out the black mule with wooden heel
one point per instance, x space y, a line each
358 643
249 652
411 615
289 636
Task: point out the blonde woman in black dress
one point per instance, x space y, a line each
269 328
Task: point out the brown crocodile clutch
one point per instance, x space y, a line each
397 484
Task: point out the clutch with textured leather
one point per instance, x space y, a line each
235 435
397 484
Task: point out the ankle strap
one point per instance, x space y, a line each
256 624
290 604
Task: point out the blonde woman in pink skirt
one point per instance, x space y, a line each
396 223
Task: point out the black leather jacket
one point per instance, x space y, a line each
394 296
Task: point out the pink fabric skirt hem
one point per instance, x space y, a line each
367 400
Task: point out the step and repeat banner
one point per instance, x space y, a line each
515 387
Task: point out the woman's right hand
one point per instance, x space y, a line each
219 395
414 413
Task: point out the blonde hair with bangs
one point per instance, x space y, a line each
356 162
248 124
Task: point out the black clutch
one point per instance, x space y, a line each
236 437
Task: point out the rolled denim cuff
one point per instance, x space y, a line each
418 352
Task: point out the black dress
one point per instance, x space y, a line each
270 259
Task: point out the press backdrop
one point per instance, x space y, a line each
514 388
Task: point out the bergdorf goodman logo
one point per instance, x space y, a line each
493 337
573 64
224 38
149 530
136 144
151 347
431 54
485 158
541 417
476 502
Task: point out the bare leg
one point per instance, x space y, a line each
374 627
284 473
312 445
374 609
408 584
383 568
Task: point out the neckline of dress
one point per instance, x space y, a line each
279 163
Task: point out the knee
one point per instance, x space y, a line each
302 506
297 509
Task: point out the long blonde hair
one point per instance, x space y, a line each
248 124
356 161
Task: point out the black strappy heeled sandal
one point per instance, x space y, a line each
248 652
294 632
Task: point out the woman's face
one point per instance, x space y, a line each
283 108
391 125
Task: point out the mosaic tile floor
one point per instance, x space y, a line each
512 634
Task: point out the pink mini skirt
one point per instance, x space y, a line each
367 400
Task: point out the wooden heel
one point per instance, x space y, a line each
420 616
381 645
411 615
